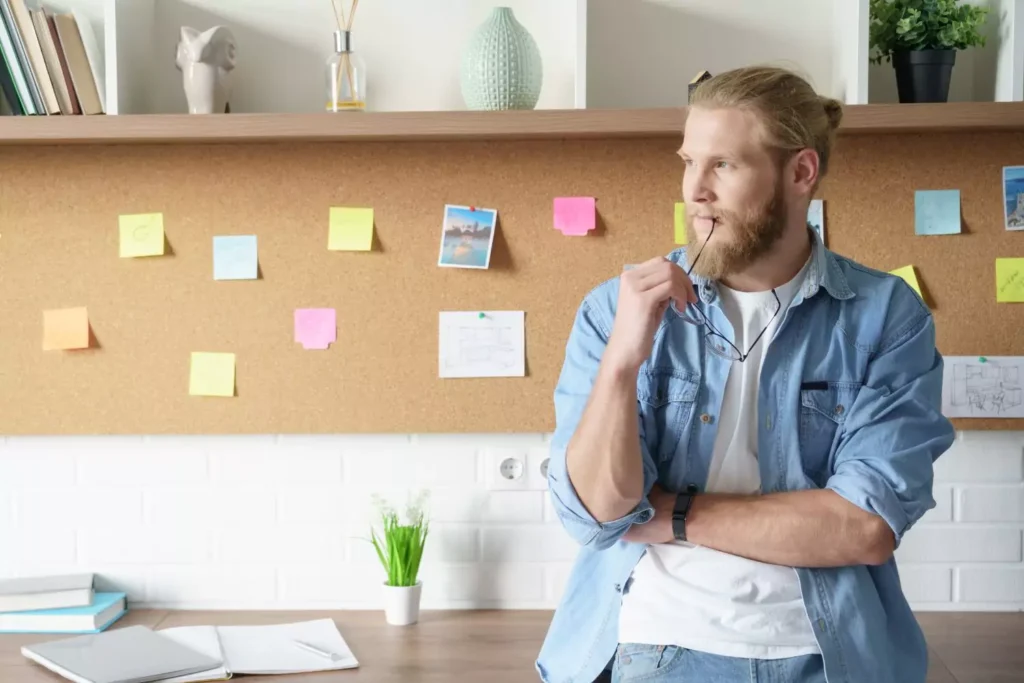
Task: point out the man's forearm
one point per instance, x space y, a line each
816 528
603 457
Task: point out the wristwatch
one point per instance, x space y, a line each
679 511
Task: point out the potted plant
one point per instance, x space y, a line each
920 38
400 549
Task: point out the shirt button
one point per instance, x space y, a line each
705 418
840 409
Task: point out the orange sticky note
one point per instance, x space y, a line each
65 328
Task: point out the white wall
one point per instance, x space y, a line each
642 53
280 522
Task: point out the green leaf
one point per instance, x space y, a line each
897 25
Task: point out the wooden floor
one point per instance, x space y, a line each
974 648
500 646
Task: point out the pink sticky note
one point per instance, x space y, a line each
316 328
575 216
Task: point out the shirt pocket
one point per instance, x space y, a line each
666 404
823 410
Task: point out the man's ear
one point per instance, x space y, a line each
803 171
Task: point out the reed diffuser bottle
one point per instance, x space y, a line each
346 76
346 71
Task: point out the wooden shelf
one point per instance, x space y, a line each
464 125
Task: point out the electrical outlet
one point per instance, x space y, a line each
537 468
506 470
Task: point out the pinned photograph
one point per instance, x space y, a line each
467 236
1013 197
816 218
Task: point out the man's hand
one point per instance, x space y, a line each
644 294
659 529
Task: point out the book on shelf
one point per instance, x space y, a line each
96 617
46 592
50 62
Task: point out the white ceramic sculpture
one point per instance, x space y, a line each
206 60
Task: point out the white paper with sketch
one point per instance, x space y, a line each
983 386
481 344
268 649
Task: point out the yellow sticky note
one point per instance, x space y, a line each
908 274
1010 280
350 229
680 223
66 328
142 234
212 374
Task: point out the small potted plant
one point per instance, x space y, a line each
400 549
920 38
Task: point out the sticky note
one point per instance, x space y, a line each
316 328
65 328
816 217
575 216
142 234
234 257
212 374
908 274
1010 280
680 223
350 229
937 212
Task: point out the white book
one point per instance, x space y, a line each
46 592
271 649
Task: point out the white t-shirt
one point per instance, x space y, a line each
707 600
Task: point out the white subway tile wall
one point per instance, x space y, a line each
267 522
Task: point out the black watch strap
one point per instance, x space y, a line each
679 511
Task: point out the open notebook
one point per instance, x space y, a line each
263 649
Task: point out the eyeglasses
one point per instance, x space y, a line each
717 342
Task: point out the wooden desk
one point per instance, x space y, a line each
501 646
497 646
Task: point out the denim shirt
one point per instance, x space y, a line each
849 400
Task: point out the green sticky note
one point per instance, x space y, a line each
350 229
142 234
680 223
1010 280
212 374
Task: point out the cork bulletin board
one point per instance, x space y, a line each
59 210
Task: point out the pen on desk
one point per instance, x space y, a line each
315 650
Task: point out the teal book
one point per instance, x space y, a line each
106 608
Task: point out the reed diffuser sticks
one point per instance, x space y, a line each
346 63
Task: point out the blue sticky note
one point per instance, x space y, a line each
937 212
234 257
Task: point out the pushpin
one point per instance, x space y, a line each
482 315
983 359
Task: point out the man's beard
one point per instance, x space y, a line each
750 236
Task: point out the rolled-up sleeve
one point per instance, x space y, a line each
895 429
584 349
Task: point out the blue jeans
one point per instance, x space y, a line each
670 664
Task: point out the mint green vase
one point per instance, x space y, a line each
501 65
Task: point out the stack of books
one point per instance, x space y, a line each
65 603
50 63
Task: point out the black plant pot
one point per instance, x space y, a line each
923 75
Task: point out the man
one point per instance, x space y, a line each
745 429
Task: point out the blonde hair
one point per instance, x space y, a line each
794 116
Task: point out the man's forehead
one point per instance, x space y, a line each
721 132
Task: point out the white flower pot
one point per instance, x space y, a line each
402 604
